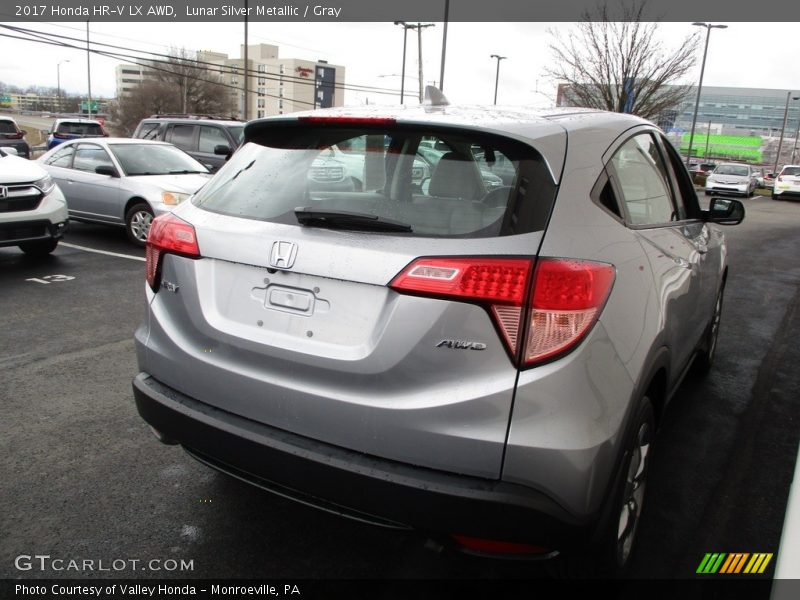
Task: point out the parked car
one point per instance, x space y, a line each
33 213
769 180
123 182
787 183
487 366
74 128
209 139
11 136
731 178
707 167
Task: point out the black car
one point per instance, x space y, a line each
209 139
11 136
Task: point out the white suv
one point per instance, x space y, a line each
33 213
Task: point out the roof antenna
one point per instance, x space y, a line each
434 97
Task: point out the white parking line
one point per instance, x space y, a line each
85 249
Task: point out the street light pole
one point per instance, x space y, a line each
497 74
88 71
58 83
796 131
783 130
708 27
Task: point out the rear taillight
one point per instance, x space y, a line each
568 296
780 178
553 313
14 136
168 235
61 136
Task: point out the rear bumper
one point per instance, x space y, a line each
356 485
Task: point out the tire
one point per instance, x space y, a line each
611 554
137 222
39 249
629 501
775 196
705 357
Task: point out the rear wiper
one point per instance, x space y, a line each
336 219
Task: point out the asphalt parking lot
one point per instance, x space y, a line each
83 477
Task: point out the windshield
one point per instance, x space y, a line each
154 159
400 180
237 133
738 170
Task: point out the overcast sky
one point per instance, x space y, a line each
744 55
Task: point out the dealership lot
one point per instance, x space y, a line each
85 479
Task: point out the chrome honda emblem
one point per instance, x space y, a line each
283 255
3 192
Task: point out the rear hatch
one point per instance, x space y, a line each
379 314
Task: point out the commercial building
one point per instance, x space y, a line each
732 123
275 85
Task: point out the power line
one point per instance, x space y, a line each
215 66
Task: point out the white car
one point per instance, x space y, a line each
732 178
121 181
33 213
787 183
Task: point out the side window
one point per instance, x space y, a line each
62 158
149 131
643 182
685 196
182 136
87 158
211 137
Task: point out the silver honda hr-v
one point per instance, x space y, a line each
487 366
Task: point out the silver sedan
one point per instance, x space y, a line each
124 182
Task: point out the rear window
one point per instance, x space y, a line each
791 171
437 182
7 127
85 129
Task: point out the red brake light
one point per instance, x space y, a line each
168 235
60 136
566 298
498 547
347 120
14 136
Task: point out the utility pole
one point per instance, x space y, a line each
88 71
444 43
246 70
406 27
419 27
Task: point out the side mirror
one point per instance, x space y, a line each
106 170
10 150
222 150
724 211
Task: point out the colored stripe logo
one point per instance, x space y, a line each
734 563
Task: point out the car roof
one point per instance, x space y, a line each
114 141
77 120
224 122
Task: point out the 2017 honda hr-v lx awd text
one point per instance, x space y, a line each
485 365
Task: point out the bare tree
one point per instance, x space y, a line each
616 62
178 85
